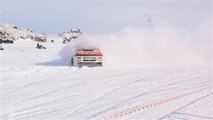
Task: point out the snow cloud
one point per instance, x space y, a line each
162 44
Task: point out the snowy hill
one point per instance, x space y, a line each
12 32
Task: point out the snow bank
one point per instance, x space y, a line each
163 44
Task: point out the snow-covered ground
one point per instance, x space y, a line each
37 84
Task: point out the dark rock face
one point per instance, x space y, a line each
4 35
6 38
6 41
70 35
39 46
40 39
1 48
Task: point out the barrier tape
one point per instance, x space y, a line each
140 108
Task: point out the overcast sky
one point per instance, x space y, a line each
93 16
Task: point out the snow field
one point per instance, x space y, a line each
39 85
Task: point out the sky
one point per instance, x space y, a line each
103 16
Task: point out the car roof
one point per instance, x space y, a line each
86 49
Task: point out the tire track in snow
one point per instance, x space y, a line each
195 116
56 90
149 91
46 110
158 75
64 88
141 108
43 104
154 90
173 112
15 113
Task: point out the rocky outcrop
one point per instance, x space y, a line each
13 33
70 35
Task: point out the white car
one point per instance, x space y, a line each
90 57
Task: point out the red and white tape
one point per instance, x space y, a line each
141 108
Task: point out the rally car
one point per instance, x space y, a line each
90 57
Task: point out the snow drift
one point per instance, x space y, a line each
162 44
